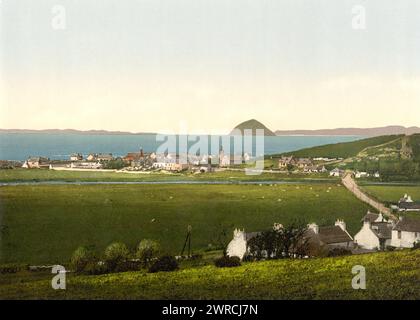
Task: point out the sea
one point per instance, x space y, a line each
20 146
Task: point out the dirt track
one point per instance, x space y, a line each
352 186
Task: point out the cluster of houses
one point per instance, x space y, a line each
377 233
142 161
406 203
290 163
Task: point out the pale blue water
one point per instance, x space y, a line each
59 146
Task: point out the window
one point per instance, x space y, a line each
399 234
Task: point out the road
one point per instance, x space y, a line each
352 186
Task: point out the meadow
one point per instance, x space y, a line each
389 275
46 223
393 193
35 175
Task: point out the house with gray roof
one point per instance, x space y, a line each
377 233
406 233
327 237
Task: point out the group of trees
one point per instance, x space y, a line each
286 242
118 258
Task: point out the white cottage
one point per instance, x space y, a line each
406 233
375 232
329 236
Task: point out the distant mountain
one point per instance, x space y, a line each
253 124
73 131
368 132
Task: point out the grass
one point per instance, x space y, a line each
389 275
34 175
392 193
45 224
345 149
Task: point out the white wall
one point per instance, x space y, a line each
238 246
366 239
407 239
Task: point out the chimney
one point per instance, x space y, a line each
314 227
341 224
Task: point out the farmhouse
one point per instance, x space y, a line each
376 232
104 157
328 236
407 204
36 162
336 172
284 162
76 157
406 233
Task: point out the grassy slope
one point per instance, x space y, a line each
390 275
343 150
46 223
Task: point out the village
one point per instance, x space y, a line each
171 162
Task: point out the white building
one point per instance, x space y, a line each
375 232
329 236
406 233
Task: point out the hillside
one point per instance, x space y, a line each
343 150
390 275
253 124
366 132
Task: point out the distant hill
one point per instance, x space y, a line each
72 131
345 149
367 132
253 124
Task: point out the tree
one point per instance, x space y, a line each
82 257
285 242
116 255
147 250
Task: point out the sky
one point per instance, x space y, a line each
206 65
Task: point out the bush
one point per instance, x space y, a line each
390 248
336 252
81 257
116 256
416 245
165 263
147 250
12 268
95 268
227 262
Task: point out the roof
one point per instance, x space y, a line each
251 235
371 217
408 224
333 234
382 230
409 205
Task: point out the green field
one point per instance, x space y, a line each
389 275
393 193
22 175
45 224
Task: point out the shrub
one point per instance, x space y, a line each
227 262
336 252
165 263
95 268
416 245
390 248
147 250
116 256
13 268
81 257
